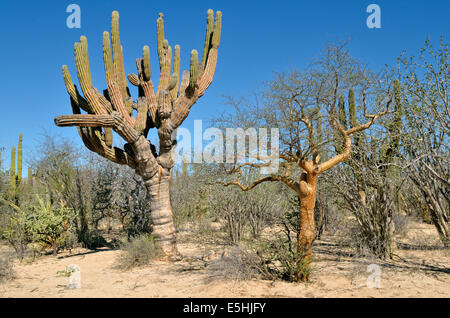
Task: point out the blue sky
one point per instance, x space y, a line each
258 38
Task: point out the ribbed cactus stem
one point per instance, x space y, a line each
217 30
193 69
147 69
12 172
208 37
133 79
342 114
160 36
397 126
117 50
176 59
319 129
73 92
85 52
184 171
19 160
107 58
141 118
30 176
108 136
352 107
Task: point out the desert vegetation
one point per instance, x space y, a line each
363 155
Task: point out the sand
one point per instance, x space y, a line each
416 271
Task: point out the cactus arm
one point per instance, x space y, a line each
187 99
117 52
174 80
115 95
342 114
30 176
141 118
85 82
73 92
114 121
208 35
352 107
146 61
193 70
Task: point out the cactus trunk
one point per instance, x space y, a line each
19 160
162 218
12 173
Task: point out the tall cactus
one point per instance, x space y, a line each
12 173
19 160
165 110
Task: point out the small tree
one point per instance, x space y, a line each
297 103
164 110
425 81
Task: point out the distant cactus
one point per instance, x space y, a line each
12 173
30 176
19 160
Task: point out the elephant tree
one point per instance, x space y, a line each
165 110
296 103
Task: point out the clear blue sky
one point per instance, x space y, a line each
258 37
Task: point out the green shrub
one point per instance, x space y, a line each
37 221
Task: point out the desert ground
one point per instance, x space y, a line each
417 270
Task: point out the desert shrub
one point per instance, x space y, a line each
15 231
401 223
236 264
6 268
37 221
137 251
280 260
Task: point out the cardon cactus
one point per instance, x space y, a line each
19 160
12 173
165 110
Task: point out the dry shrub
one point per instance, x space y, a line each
138 251
236 264
6 268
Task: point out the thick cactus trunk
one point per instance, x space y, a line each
163 226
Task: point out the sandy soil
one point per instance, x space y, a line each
416 271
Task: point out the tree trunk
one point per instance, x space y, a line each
161 211
307 226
